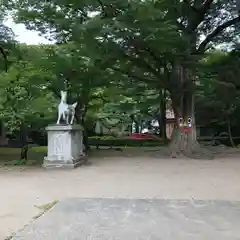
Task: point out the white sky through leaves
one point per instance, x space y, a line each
25 36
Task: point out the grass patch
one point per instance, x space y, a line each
36 154
45 207
7 151
9 156
124 141
39 149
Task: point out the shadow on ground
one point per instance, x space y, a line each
9 156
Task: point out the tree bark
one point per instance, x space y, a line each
230 132
24 142
163 122
183 141
184 138
80 119
5 58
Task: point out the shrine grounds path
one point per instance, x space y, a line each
24 188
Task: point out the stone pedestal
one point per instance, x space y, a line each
65 146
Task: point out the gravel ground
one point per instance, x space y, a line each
24 188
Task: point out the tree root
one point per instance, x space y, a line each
194 153
197 152
183 146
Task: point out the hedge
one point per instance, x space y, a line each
114 141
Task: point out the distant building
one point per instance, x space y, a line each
170 122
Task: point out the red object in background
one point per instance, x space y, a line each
186 130
140 136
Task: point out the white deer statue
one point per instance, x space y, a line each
66 111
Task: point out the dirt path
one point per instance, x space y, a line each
24 188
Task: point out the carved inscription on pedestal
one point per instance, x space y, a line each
58 143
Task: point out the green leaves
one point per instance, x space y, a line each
115 57
24 99
6 41
218 93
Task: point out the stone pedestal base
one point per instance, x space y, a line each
65 147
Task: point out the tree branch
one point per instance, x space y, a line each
200 14
140 45
206 5
99 97
215 33
158 60
54 90
129 74
101 5
141 62
108 10
187 2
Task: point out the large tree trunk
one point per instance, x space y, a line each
24 142
184 139
80 120
81 112
162 121
230 132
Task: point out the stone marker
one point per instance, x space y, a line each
65 146
130 219
65 141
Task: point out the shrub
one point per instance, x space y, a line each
117 141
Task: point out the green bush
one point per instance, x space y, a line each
106 137
39 149
117 141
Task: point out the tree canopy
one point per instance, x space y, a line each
118 57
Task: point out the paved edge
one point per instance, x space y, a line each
33 220
169 201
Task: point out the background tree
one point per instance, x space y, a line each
66 67
218 93
155 42
6 39
24 102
